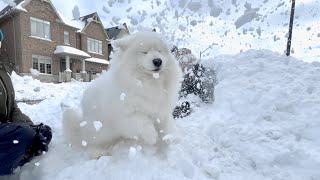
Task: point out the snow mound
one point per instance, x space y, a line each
264 124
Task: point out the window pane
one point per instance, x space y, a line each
66 37
48 68
34 63
47 31
100 47
33 28
92 45
42 68
88 44
96 47
39 32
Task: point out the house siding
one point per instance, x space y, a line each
95 31
31 45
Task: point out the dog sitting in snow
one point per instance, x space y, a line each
133 100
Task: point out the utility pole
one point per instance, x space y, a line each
290 28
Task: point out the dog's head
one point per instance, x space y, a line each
146 50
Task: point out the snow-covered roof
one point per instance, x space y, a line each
71 51
79 24
97 60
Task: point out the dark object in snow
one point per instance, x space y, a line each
182 111
199 81
290 28
40 142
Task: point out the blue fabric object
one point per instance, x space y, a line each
1 35
15 139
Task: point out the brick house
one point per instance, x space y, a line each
38 37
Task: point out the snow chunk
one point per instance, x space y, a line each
139 83
167 137
156 75
37 163
83 123
122 96
132 153
15 141
97 125
76 12
34 72
84 143
248 16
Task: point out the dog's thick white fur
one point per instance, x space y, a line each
134 99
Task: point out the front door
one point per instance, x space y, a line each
63 65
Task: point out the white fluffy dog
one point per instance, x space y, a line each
133 100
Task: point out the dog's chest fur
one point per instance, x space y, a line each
151 90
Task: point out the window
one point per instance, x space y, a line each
42 64
66 37
94 46
40 28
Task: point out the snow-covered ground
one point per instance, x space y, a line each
264 124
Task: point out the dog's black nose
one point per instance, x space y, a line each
157 62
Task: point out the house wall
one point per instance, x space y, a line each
94 30
31 45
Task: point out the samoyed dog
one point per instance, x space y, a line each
133 100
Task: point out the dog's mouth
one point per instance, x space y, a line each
156 70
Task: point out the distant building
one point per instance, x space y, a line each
38 37
116 32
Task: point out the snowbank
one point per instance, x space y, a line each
264 124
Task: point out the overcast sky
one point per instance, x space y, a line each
197 28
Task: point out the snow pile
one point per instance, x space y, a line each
28 89
264 124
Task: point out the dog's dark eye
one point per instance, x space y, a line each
144 52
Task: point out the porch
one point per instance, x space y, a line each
70 68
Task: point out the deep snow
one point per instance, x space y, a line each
264 124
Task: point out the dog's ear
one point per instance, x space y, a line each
122 43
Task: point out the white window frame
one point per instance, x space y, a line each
40 28
66 37
42 60
94 46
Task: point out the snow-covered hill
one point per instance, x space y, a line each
264 124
